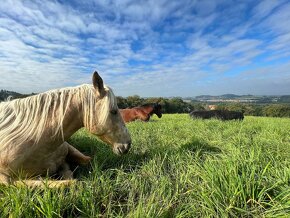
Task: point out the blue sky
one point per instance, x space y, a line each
149 48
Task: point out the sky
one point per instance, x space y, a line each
148 48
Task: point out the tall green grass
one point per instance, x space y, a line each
177 167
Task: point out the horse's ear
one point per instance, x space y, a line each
98 84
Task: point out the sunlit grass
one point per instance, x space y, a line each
177 167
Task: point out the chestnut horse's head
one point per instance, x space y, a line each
102 117
157 109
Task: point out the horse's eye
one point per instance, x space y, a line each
114 112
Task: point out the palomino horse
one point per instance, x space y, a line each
34 130
143 112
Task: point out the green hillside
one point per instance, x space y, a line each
177 167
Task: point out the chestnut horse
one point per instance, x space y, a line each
143 112
34 131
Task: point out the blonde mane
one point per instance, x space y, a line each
27 119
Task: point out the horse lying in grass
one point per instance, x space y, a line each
34 131
143 112
219 114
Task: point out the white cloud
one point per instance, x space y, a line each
265 7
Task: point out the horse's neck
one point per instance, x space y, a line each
73 119
148 110
70 123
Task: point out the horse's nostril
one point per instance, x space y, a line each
129 145
126 151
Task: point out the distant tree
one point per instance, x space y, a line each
4 94
177 105
122 102
153 100
277 110
197 106
135 100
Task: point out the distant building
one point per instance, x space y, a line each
212 107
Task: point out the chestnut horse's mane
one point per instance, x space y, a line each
26 119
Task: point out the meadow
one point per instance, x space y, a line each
177 167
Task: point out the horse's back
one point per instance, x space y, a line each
132 114
128 115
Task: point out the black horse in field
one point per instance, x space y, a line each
218 114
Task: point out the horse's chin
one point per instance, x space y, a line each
121 149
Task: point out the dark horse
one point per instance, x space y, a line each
219 114
143 112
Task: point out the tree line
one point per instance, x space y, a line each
169 105
178 105
6 95
265 110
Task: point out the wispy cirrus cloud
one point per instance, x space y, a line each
163 48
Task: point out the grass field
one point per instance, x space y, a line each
177 167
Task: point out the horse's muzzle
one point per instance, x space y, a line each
120 149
